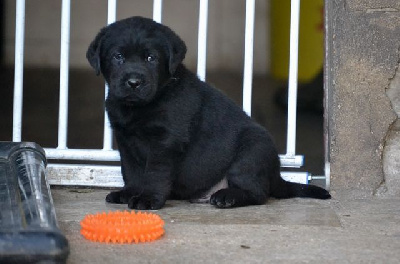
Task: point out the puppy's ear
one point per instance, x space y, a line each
93 52
177 51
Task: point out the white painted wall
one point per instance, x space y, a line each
225 42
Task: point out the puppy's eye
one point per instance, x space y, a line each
118 57
150 58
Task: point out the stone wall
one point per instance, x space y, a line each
363 58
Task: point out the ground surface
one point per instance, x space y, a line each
342 230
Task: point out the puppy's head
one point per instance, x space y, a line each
137 57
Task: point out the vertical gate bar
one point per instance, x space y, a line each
293 67
18 70
111 11
202 40
64 74
107 138
248 56
157 10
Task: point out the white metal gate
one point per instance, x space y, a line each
110 176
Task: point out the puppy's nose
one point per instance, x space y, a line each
133 83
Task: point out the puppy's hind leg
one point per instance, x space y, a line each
248 183
244 189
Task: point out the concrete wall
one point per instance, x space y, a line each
364 131
391 154
225 42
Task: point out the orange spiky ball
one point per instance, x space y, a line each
122 227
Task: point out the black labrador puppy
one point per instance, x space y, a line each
178 137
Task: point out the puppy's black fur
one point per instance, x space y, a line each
177 136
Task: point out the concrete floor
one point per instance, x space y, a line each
346 229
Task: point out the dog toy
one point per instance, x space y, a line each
122 227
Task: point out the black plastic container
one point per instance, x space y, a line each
28 225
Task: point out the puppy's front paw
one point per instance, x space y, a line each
146 202
118 197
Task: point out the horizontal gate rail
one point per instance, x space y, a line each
110 176
113 155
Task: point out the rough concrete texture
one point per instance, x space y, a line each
391 154
391 161
341 230
365 52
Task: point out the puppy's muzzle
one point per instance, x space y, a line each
134 83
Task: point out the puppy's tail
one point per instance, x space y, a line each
284 189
